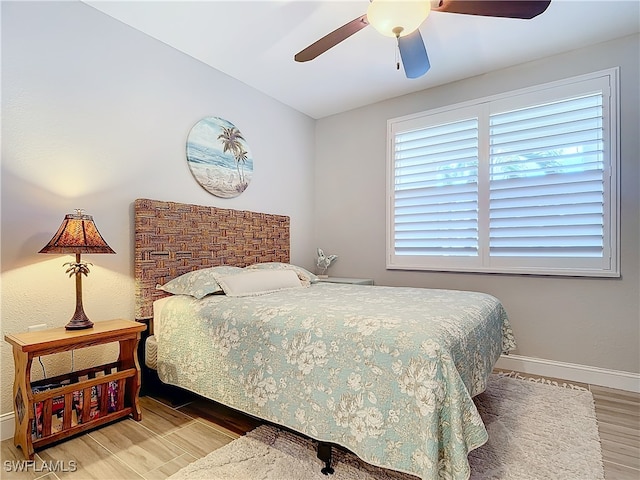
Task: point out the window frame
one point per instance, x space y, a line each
607 266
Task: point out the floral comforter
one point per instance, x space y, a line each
387 372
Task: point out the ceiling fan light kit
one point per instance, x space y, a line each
402 19
397 18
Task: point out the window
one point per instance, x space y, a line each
524 182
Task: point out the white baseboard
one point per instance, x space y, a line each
571 372
533 366
7 425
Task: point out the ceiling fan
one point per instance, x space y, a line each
402 18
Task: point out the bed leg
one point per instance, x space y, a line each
324 454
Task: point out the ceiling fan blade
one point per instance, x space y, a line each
525 9
414 55
332 39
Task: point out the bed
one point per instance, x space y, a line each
387 372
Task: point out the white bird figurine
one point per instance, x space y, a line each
324 261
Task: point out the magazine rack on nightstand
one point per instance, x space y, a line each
120 379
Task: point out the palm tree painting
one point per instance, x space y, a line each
219 157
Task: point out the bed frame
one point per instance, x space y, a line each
175 238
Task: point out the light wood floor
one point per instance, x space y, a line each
170 437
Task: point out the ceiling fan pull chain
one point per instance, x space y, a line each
397 54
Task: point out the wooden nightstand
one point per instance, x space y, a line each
352 281
50 410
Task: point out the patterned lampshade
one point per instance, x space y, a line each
77 234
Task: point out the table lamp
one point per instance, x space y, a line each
77 234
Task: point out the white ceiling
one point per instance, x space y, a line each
255 41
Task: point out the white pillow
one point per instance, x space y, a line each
198 283
305 276
258 282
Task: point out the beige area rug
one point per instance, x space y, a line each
536 431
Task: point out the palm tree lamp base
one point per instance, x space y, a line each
79 319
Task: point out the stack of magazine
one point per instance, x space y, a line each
57 407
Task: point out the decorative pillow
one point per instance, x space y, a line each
305 276
258 282
198 283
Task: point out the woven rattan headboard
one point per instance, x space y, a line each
175 238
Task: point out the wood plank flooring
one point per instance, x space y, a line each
172 436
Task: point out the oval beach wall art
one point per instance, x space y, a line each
219 157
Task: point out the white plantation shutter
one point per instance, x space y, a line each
547 180
520 183
436 190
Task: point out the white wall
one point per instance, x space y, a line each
96 114
593 322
